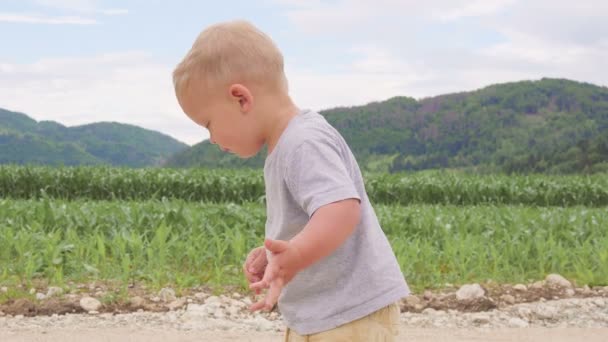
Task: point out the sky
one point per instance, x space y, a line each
84 61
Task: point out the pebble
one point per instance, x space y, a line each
468 292
520 287
557 280
54 291
167 295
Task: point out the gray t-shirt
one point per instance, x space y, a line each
311 166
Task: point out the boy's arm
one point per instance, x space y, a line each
327 229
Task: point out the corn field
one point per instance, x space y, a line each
239 186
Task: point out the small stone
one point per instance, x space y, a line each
587 290
236 295
247 301
517 323
177 304
2 314
32 291
93 312
155 299
557 280
167 295
472 291
54 291
19 317
418 307
90 304
570 292
137 302
546 312
412 300
200 296
40 296
190 300
537 285
4 289
520 287
428 295
508 299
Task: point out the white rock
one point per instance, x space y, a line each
470 291
429 311
236 295
570 292
557 280
520 287
90 304
2 314
40 296
428 295
54 291
32 291
93 312
167 295
4 289
213 299
515 322
508 299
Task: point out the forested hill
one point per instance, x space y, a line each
23 140
550 125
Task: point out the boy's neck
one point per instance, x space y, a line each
278 119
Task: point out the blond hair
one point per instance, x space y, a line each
231 52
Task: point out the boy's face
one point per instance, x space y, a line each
229 116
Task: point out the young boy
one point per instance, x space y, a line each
325 260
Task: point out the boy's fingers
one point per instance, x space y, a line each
273 294
276 246
258 263
258 305
259 285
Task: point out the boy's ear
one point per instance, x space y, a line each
242 96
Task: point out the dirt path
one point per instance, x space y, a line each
409 334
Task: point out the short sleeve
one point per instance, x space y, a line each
316 175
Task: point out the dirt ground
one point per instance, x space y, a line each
417 335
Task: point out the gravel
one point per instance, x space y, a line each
232 315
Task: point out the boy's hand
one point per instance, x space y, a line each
255 265
283 266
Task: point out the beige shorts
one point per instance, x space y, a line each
379 326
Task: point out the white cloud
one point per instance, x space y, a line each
44 19
124 87
529 40
83 6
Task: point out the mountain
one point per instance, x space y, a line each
23 140
549 125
